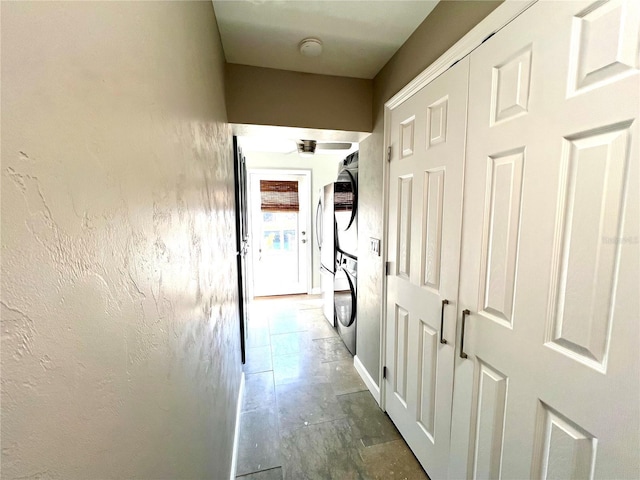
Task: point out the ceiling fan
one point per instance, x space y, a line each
309 147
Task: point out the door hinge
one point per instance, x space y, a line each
387 268
389 154
384 372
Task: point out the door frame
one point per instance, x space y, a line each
305 172
496 20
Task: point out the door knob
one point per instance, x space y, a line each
304 240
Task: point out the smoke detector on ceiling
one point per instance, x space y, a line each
310 47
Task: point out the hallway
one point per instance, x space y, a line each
306 412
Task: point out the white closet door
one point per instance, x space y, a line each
427 138
550 388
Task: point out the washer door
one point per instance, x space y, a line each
345 199
345 302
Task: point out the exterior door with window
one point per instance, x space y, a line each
280 231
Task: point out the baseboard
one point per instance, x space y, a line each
234 456
315 291
368 380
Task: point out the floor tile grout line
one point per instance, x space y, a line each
258 471
345 417
287 333
331 361
259 371
365 447
359 391
365 389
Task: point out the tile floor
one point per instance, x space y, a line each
306 412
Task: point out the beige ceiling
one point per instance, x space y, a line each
358 37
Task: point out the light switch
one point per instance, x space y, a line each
375 245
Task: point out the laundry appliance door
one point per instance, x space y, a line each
345 306
346 209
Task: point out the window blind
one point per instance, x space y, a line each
343 196
279 196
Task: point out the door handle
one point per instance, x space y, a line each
444 302
304 240
464 320
319 224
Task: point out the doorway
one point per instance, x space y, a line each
279 208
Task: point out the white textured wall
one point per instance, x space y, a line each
120 344
324 169
370 212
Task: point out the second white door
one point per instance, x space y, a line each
547 384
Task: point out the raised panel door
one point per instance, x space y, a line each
549 262
425 209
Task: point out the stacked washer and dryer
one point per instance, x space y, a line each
337 235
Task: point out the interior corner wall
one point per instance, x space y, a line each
266 96
120 334
446 24
324 170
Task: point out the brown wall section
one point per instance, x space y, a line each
450 21
266 96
